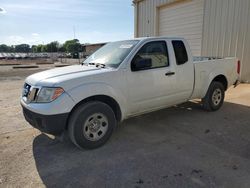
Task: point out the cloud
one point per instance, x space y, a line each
16 39
99 36
2 10
35 35
55 8
33 38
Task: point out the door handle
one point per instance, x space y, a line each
169 73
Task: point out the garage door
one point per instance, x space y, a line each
183 19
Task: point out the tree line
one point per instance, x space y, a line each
70 46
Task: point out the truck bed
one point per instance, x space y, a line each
206 68
204 58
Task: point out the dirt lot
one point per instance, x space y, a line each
182 146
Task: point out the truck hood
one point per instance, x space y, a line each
54 76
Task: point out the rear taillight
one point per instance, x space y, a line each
238 67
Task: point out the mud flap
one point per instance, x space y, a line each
237 82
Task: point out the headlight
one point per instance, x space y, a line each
48 94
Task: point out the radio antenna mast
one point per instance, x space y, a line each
74 31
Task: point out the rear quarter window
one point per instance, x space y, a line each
180 52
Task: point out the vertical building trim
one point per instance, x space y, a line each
203 27
224 35
136 21
156 25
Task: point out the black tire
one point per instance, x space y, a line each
211 104
81 117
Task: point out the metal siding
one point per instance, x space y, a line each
226 31
184 19
226 28
146 16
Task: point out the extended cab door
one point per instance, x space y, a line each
184 69
151 78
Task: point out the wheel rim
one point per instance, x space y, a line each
217 97
95 127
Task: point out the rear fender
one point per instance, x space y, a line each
211 77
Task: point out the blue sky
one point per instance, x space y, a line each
43 21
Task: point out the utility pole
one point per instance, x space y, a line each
74 31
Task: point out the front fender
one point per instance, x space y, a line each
84 91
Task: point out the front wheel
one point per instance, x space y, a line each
214 97
91 125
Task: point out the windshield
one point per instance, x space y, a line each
112 54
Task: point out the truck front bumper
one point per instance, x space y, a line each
51 124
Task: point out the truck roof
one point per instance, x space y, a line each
161 37
150 38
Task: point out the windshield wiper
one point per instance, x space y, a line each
84 64
102 65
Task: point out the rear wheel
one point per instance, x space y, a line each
91 125
214 97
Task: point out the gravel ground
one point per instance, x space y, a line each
7 72
182 146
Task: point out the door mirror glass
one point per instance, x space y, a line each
141 64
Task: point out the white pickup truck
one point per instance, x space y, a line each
120 80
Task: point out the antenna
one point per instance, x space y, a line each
74 31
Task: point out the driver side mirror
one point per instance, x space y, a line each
141 64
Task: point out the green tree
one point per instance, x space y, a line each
4 48
12 48
72 46
22 48
44 48
61 48
34 48
39 48
53 46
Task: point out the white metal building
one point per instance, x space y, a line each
213 27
